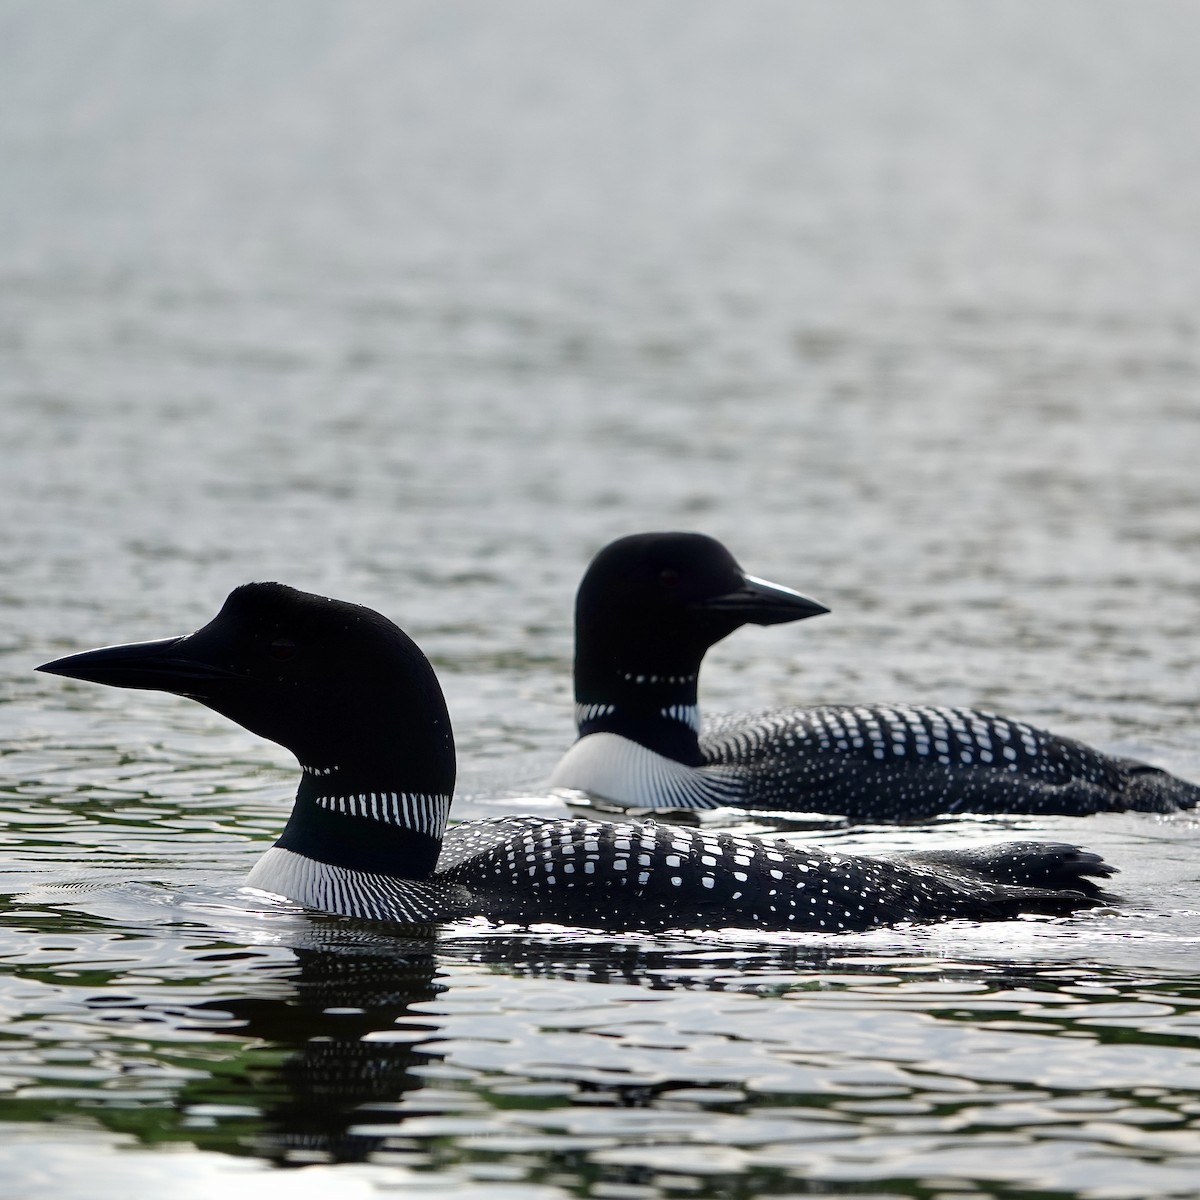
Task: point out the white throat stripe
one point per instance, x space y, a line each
686 714
590 712
425 813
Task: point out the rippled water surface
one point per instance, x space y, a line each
418 305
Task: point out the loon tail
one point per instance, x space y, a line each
1052 867
1144 788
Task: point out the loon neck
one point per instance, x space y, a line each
361 824
656 709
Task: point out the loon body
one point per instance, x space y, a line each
648 608
358 704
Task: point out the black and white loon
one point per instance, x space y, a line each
358 704
648 608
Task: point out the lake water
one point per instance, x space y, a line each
419 305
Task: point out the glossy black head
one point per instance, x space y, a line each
659 600
337 684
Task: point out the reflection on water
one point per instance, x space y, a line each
749 1069
421 305
312 1104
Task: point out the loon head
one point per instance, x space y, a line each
658 601
338 685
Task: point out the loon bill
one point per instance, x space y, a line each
355 700
648 608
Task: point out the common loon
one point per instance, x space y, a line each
354 699
648 608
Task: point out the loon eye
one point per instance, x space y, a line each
668 577
282 649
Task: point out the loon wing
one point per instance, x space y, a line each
898 763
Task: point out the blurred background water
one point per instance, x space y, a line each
419 304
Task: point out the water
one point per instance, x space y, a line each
421 304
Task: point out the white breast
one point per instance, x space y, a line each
348 893
614 768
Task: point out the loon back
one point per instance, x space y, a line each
905 763
648 609
351 695
650 876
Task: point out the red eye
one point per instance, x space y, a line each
282 649
668 577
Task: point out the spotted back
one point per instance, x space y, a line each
650 875
907 762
